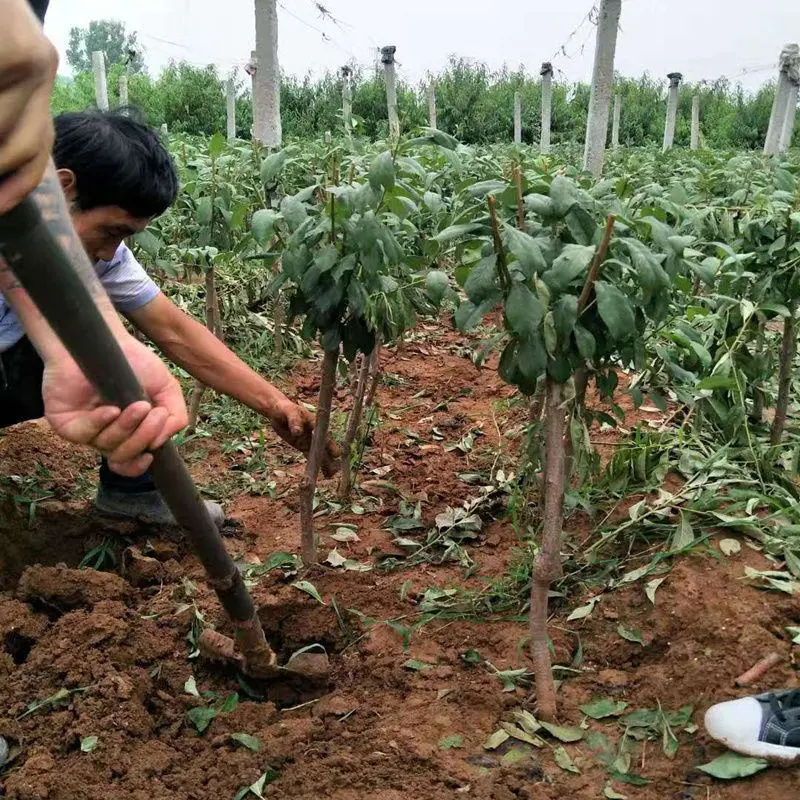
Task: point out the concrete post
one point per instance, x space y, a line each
616 120
347 100
696 122
266 76
123 91
390 76
230 107
164 128
547 105
675 79
100 84
789 71
791 117
517 118
602 80
433 121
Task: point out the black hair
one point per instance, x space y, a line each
117 160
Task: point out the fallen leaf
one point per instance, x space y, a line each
89 743
564 761
515 756
190 687
451 742
310 589
651 587
250 742
630 635
496 739
521 735
563 734
583 611
603 708
730 547
611 794
730 766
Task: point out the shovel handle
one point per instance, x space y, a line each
44 269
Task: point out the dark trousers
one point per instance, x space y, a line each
21 371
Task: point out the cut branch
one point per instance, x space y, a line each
547 566
502 264
308 484
520 201
353 424
788 347
597 262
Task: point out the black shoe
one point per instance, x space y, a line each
765 726
148 507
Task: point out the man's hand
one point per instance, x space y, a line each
76 412
28 64
295 425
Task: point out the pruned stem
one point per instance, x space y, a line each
214 324
520 201
597 262
547 566
788 347
353 424
502 264
758 391
308 484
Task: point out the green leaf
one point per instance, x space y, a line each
550 335
205 211
581 225
603 708
583 611
310 589
564 194
451 742
684 535
496 739
531 358
415 665
468 315
515 756
651 587
630 635
615 311
149 242
540 205
648 267
436 285
563 733
525 249
250 742
731 766
263 225
217 145
565 315
482 281
572 263
271 167
456 232
89 743
564 761
585 342
523 310
381 172
294 212
201 717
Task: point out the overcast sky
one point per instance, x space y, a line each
701 38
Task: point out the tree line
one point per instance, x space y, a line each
475 104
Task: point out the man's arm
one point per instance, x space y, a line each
192 346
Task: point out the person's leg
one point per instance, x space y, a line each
21 371
764 726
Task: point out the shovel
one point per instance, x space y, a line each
43 264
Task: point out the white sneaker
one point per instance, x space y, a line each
766 726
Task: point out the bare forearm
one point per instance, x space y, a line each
50 199
193 347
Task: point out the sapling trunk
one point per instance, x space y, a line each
308 484
214 324
353 424
520 201
581 380
758 392
374 374
788 347
547 566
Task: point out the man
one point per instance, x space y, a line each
117 176
28 65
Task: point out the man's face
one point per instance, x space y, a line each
101 230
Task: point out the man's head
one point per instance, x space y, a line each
116 175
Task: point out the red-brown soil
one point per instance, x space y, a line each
376 732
